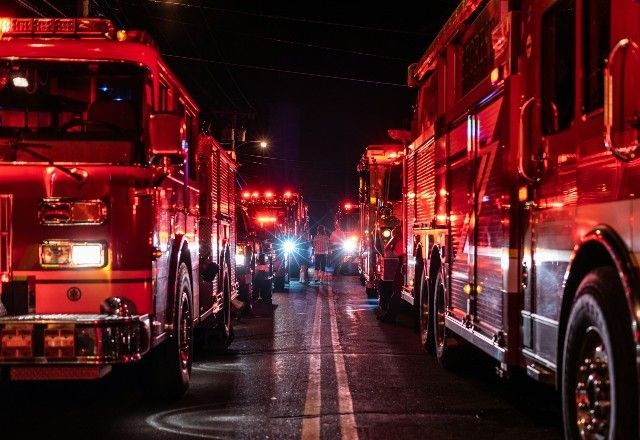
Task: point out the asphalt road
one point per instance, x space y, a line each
314 361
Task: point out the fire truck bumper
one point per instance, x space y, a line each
70 346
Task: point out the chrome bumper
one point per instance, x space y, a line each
73 339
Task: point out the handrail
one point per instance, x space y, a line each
521 170
619 152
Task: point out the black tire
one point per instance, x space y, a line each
267 290
425 318
169 364
371 292
444 341
599 349
278 283
221 336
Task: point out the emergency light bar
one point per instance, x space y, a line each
59 27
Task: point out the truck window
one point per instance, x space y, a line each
477 56
558 66
393 184
87 112
595 49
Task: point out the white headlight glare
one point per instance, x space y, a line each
71 254
288 246
87 255
349 245
239 259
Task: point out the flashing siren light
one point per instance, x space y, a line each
246 195
21 27
348 206
287 194
268 194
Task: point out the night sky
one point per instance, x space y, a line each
319 79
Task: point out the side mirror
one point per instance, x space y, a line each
166 136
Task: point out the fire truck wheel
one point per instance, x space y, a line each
278 283
223 334
445 343
170 363
426 318
599 380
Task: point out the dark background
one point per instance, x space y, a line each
319 79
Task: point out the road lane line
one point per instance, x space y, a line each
348 426
313 403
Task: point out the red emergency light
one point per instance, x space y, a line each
265 219
246 195
287 194
26 27
348 206
268 195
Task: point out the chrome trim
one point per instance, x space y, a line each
70 201
476 338
82 321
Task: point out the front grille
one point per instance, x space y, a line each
6 204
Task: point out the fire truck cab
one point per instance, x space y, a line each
277 221
521 193
116 215
380 200
345 254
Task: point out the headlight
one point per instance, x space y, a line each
239 259
55 211
386 233
288 246
72 254
350 244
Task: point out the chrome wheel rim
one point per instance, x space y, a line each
185 334
439 315
592 390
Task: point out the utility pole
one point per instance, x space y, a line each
83 8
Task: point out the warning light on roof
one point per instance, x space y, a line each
246 195
5 25
268 194
255 194
347 206
287 194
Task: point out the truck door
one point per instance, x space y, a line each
562 123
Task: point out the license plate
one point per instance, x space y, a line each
16 341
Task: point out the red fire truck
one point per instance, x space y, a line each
521 193
277 223
345 255
116 216
380 199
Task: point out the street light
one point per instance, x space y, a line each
263 145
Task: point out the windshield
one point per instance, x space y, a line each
71 111
268 221
350 221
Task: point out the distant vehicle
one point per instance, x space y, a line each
346 255
117 216
276 223
522 187
380 200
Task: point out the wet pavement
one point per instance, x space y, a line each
315 363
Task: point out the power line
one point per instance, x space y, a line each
295 19
46 2
233 80
291 72
30 7
295 43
